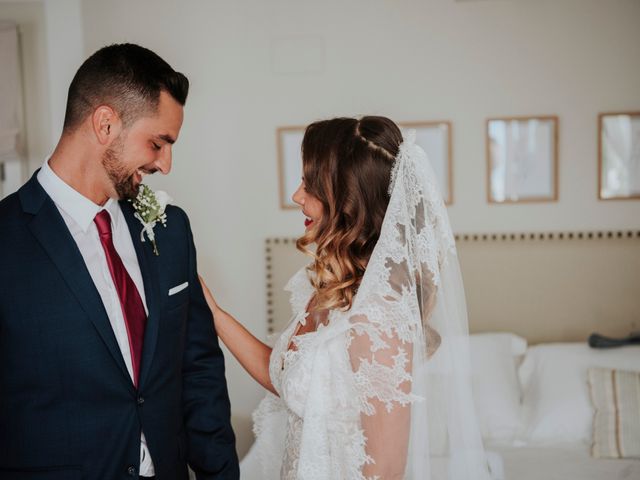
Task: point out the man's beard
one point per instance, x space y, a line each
123 182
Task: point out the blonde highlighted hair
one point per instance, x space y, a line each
347 166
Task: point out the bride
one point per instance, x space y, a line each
370 380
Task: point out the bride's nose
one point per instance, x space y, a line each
298 196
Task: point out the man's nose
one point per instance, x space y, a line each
163 163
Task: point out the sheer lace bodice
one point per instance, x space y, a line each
314 379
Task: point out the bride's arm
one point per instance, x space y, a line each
386 427
252 354
387 384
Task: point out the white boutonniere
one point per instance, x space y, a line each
150 207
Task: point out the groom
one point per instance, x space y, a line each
109 363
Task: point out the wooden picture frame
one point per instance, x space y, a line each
522 159
289 141
435 138
619 156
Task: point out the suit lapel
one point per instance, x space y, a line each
52 233
149 269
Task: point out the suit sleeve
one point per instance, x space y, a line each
206 408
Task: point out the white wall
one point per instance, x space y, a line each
410 60
65 48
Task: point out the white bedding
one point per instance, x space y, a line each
563 463
528 463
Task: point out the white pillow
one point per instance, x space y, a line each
496 389
556 403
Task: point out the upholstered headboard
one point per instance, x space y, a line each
546 287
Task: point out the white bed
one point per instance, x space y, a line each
565 462
545 292
562 462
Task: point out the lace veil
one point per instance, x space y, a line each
409 344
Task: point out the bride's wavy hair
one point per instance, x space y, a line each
347 166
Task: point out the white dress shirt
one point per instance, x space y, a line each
78 213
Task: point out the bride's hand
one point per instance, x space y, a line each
213 305
252 354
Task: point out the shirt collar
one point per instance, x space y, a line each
77 206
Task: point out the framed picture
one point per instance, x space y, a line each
289 163
435 139
522 159
619 156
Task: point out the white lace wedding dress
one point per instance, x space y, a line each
383 387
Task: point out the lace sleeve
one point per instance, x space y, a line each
383 382
387 343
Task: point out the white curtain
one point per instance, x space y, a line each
12 148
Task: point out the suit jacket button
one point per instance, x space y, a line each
131 471
140 401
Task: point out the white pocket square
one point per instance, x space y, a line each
178 288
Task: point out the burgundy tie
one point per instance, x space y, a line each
133 311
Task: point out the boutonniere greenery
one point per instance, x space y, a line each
150 207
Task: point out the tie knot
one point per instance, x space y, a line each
103 222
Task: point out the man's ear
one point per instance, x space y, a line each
106 124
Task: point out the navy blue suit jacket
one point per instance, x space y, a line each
68 407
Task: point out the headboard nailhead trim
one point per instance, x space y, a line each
460 237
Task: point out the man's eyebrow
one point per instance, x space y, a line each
167 138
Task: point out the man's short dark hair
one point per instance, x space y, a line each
126 77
